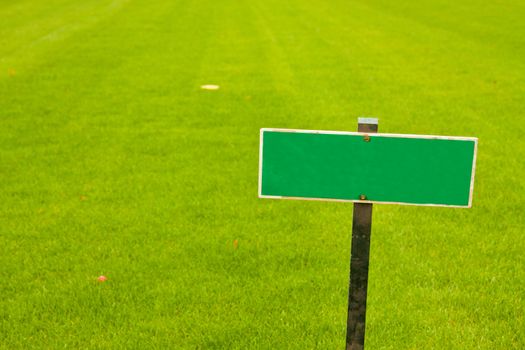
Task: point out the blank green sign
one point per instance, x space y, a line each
405 169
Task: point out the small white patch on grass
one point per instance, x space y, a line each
210 87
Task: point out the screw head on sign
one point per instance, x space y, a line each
366 138
362 197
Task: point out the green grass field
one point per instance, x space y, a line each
113 161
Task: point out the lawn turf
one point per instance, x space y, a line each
114 162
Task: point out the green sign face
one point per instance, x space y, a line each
367 168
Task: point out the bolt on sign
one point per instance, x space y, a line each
366 167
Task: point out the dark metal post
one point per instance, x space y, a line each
361 229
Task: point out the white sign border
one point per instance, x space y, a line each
328 132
